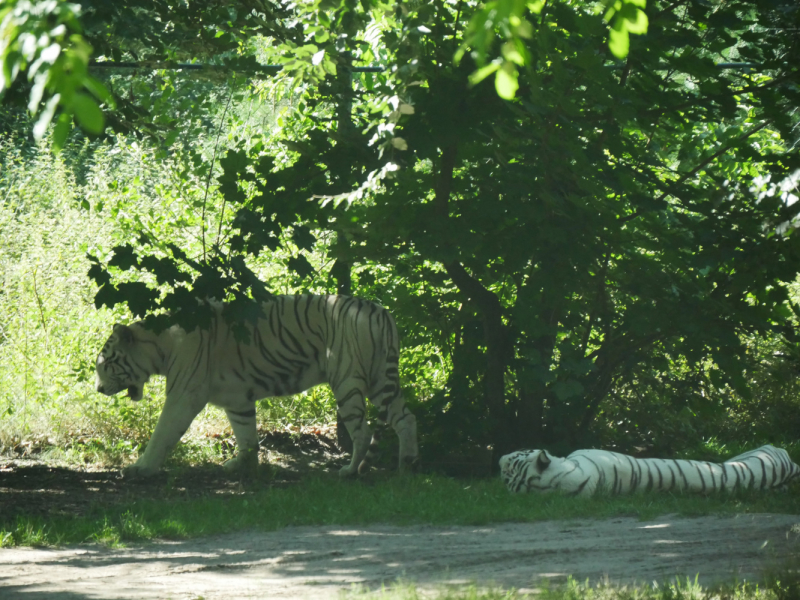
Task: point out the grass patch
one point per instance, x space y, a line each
774 589
326 500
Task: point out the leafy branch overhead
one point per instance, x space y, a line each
42 39
510 21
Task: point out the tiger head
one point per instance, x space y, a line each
117 367
526 470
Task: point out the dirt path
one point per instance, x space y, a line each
312 562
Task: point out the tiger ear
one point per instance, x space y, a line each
542 461
124 332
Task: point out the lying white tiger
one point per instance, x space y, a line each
303 341
585 472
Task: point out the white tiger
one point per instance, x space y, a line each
585 472
302 341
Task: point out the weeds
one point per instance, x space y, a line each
573 590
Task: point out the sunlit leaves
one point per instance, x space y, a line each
506 18
509 20
42 38
483 72
505 81
626 17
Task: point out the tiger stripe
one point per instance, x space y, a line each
300 341
585 472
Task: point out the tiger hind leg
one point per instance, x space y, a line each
245 463
405 425
352 411
393 410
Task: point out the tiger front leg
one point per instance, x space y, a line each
176 417
245 463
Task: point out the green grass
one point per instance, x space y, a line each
772 589
325 500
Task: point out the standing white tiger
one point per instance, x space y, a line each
585 472
302 341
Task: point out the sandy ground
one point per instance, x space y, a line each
313 562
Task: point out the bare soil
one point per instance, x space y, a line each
324 562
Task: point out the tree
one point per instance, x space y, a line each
602 226
607 221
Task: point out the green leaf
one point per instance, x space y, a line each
480 74
99 274
512 53
303 237
124 258
108 296
89 115
165 270
101 92
506 81
300 265
639 24
43 122
536 6
61 131
618 42
139 297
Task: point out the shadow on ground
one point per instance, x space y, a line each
322 562
32 487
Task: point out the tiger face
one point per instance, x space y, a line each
116 368
527 470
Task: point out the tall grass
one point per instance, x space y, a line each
54 209
48 325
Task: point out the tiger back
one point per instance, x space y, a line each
301 341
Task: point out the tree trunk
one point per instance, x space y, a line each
495 335
529 417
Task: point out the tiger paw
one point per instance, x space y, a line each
244 464
137 471
408 465
347 471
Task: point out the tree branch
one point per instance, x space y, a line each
694 171
714 156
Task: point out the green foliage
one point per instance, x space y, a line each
675 589
626 17
509 19
587 263
43 39
313 407
593 250
45 315
53 210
